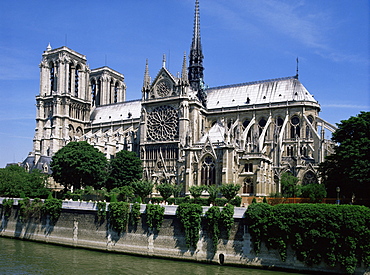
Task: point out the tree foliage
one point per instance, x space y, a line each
16 182
230 190
316 192
124 169
289 185
349 166
79 164
142 188
196 191
190 216
166 190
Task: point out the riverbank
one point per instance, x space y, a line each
79 226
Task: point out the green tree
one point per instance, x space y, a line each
213 193
316 192
230 190
289 185
16 182
166 190
124 169
79 164
142 188
349 166
196 191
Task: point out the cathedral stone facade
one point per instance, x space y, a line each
184 132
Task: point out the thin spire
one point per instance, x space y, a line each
297 69
184 72
164 61
146 75
48 48
196 56
196 44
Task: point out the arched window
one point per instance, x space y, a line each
248 187
77 79
309 178
116 93
295 129
208 171
93 92
52 77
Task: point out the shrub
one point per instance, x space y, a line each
101 210
316 192
135 214
227 219
236 201
53 208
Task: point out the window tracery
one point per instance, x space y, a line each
163 124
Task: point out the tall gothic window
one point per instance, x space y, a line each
52 77
116 93
295 129
77 80
93 92
208 171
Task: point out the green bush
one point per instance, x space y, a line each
334 234
236 201
316 192
53 208
154 213
220 201
190 216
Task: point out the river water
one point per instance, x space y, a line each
25 257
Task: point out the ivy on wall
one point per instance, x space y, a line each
334 234
154 213
118 215
190 216
7 207
101 210
217 221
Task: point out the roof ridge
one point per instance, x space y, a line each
252 82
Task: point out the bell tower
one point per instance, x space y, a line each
64 102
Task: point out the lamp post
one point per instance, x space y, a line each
338 190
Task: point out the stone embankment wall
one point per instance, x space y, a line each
78 226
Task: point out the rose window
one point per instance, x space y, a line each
163 124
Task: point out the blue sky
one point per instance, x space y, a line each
243 40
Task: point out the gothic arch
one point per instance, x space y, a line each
208 170
309 177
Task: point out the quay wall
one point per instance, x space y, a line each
78 226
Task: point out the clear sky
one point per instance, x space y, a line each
243 40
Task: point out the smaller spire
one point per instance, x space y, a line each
296 76
48 48
164 61
146 75
184 72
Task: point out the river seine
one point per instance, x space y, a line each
24 257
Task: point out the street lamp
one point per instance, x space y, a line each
338 190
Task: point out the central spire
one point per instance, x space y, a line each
196 56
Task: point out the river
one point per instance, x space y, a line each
25 257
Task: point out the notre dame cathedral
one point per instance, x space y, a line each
184 132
